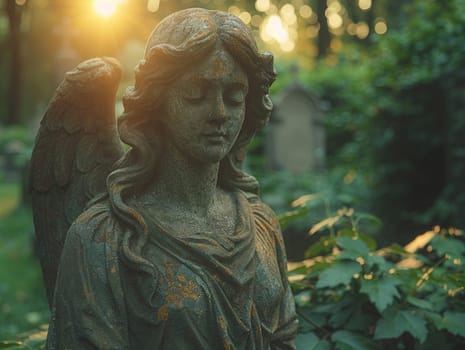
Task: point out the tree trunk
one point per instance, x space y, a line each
13 102
324 37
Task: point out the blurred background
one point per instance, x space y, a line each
369 106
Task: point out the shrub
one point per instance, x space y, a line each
352 295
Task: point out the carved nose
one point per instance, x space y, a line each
219 110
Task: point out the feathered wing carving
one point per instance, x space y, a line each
75 147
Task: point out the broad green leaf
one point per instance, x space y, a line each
395 322
341 273
317 268
397 249
310 341
334 307
381 292
338 319
375 259
448 245
320 247
360 320
420 303
310 320
347 340
453 322
372 219
369 241
355 245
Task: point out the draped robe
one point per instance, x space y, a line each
207 291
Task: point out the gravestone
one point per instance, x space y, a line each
296 139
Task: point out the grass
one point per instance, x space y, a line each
9 195
23 306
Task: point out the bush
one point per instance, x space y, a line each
352 295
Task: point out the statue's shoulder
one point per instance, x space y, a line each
96 224
262 212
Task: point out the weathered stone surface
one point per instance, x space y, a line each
178 251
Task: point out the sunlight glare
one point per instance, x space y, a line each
105 8
274 29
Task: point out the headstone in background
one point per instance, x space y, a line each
296 139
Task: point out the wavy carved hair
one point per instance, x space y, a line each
180 40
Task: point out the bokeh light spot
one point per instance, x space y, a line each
262 5
380 26
153 5
364 4
362 30
305 11
334 20
245 17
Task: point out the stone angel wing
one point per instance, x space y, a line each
75 148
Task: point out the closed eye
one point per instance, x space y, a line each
194 93
235 95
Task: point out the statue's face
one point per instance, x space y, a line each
205 108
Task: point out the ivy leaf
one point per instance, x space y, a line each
309 341
395 322
381 292
453 322
347 340
338 274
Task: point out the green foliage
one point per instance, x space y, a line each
15 149
395 116
352 295
23 307
32 340
418 78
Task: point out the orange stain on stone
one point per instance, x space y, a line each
178 291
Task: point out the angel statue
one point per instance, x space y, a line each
163 244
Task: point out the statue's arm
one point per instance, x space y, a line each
284 336
88 310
